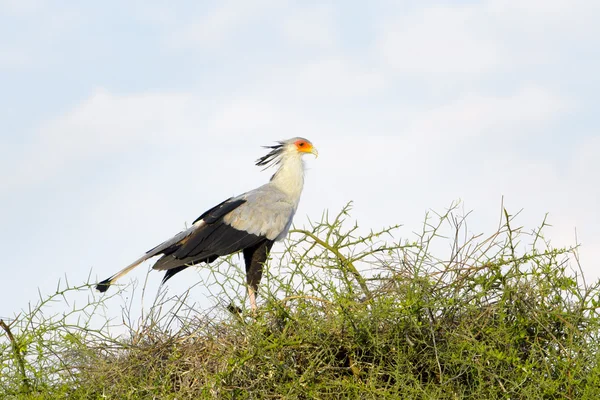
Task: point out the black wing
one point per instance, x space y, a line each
207 239
214 239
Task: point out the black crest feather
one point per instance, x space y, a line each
272 158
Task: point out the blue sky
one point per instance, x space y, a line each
120 122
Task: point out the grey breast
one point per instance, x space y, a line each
267 212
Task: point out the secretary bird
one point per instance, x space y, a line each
250 222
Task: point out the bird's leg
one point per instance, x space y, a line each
252 295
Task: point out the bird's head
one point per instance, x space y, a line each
295 147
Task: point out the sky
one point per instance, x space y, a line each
120 122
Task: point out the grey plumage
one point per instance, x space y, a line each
251 222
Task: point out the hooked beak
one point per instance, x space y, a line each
315 152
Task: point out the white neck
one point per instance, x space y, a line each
289 178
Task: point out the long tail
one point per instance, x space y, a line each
168 247
160 249
105 284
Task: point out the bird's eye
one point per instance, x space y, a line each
301 144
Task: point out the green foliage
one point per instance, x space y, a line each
344 315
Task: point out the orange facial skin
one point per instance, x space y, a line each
304 146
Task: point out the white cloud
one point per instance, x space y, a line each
538 19
101 125
439 41
247 115
327 79
215 27
469 41
473 115
20 7
311 27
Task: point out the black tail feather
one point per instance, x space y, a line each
170 272
104 285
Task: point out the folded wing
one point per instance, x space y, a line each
210 217
251 222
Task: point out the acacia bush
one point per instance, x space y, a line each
342 315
